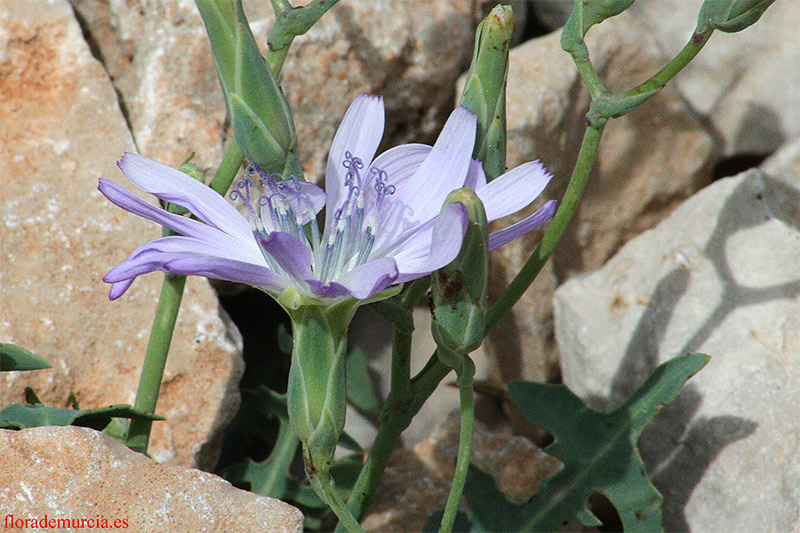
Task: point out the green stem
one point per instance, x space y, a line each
467 395
228 168
155 359
289 23
169 303
400 384
323 485
563 216
612 106
671 69
389 431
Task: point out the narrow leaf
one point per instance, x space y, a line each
13 357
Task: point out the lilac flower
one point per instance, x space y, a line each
384 222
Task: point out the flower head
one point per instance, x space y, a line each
384 220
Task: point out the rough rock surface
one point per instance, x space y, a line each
417 481
744 84
720 276
410 52
72 473
60 130
649 161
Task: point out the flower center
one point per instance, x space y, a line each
288 206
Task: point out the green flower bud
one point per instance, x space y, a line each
730 15
485 89
259 114
317 392
460 288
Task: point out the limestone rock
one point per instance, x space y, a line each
720 276
648 162
744 84
417 481
68 473
60 130
410 52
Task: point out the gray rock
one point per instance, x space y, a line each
69 473
60 130
648 162
744 84
720 276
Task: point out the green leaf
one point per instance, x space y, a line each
13 357
360 391
268 477
18 416
598 451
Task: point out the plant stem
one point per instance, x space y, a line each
671 69
323 485
467 396
563 216
228 168
389 431
155 359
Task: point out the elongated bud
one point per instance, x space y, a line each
259 114
460 288
730 15
485 89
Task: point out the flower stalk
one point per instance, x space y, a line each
173 284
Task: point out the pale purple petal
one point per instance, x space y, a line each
226 269
445 168
399 163
327 290
429 251
513 190
150 260
189 245
183 225
289 252
360 134
476 178
312 198
504 236
174 186
370 278
119 288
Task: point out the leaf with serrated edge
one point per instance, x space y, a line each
598 451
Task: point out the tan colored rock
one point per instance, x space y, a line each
417 481
648 162
410 52
60 130
70 473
